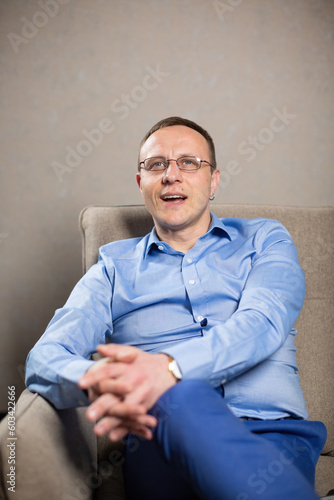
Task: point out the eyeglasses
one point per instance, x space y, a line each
185 163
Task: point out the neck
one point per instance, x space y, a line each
181 240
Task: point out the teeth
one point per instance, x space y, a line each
173 196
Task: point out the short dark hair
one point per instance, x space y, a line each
177 120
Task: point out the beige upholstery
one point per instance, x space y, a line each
56 451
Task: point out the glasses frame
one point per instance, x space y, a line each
167 161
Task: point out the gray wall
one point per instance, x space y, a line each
71 66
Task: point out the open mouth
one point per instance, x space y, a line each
173 198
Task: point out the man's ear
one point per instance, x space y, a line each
215 178
138 179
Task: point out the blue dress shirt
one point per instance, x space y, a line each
225 311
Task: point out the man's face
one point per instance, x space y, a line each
191 209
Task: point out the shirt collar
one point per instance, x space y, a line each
216 225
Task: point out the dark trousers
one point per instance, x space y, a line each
201 450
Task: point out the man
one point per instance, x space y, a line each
200 362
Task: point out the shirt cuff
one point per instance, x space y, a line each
193 365
70 394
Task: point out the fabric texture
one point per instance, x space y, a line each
201 450
55 452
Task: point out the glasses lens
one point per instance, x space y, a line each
155 164
189 163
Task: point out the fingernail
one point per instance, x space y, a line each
92 414
100 430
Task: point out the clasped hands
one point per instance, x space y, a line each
122 387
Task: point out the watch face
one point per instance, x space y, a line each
174 368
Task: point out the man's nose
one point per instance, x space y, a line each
172 172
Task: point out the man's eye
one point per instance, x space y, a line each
189 163
156 164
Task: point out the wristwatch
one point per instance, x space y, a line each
174 368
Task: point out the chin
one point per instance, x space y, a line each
172 222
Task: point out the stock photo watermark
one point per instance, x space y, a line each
30 28
260 479
256 143
322 252
162 410
94 480
121 106
223 8
11 440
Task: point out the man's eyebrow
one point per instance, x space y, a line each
179 155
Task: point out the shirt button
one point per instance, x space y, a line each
160 247
200 318
189 261
191 282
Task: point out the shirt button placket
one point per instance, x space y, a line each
193 288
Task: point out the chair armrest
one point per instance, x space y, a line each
55 452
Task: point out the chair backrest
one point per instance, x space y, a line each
312 229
